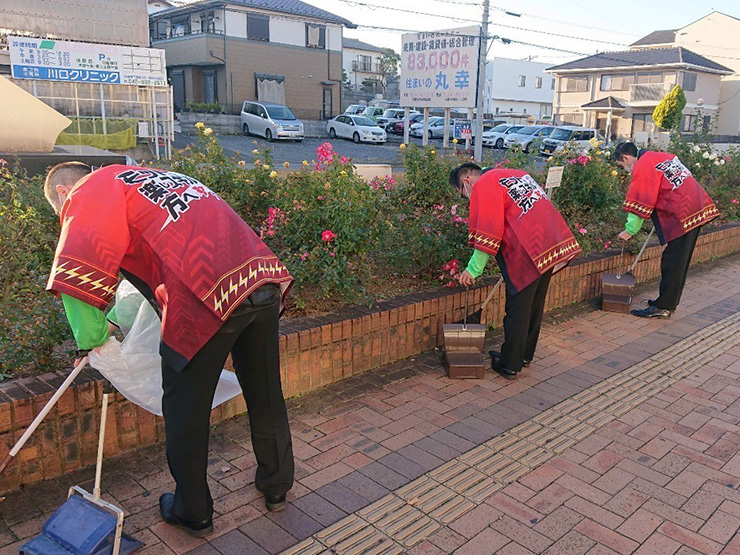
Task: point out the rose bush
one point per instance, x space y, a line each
345 240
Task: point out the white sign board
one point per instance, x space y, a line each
82 62
439 69
554 177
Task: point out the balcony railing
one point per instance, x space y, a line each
367 67
649 92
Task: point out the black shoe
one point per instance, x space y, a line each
505 372
275 503
652 312
497 355
195 529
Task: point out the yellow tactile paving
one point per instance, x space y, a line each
402 519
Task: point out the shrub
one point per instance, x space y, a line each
32 321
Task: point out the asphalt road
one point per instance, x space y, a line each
290 151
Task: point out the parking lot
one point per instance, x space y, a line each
290 151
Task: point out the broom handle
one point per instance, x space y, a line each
36 421
101 440
637 259
490 295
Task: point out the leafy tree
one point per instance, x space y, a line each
667 114
389 61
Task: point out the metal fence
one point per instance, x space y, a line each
148 108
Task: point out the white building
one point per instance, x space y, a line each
361 64
518 89
714 36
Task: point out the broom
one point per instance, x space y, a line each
475 317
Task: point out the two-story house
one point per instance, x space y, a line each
229 51
713 36
361 63
518 89
620 90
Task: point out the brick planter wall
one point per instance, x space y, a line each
314 352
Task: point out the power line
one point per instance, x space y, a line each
558 34
492 37
377 7
562 22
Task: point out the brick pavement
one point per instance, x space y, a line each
622 437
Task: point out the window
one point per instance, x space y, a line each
365 63
641 122
497 109
258 27
552 83
207 22
616 82
642 78
576 84
538 82
315 36
158 31
689 81
522 80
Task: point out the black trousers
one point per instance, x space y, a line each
674 267
523 321
251 336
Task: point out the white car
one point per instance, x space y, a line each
528 136
495 137
571 135
355 109
436 128
357 128
271 121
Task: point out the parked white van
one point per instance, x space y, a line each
571 135
271 121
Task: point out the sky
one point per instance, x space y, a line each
556 30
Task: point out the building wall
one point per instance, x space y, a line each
567 107
502 88
716 37
307 71
122 22
350 55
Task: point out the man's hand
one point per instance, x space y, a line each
625 236
79 360
466 279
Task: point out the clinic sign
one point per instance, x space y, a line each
81 62
439 69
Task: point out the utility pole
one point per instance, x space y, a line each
481 83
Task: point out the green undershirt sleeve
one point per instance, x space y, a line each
88 323
634 223
477 263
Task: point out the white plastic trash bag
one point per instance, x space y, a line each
133 365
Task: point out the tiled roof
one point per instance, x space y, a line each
359 45
666 36
608 102
293 7
647 57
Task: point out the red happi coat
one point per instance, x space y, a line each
182 240
511 215
664 189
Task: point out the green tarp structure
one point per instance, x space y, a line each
120 133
